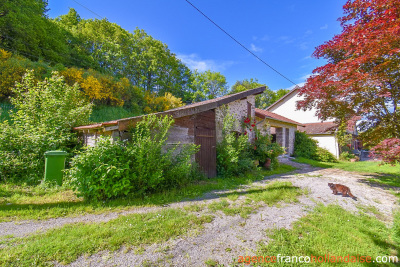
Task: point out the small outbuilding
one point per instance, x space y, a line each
199 123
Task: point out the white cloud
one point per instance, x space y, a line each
303 46
324 27
305 77
265 38
254 48
285 39
194 62
308 32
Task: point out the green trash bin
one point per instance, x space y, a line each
54 166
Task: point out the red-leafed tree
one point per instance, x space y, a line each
362 74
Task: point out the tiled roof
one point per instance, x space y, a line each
264 114
327 127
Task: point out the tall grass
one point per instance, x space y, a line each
5 109
109 113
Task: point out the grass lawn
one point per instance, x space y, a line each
135 231
334 231
359 166
379 174
66 244
24 202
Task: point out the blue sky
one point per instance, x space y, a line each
283 33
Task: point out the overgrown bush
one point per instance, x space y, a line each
264 149
324 155
233 153
306 147
45 113
346 156
144 165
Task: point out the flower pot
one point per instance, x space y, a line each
267 164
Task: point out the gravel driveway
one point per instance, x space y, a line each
228 237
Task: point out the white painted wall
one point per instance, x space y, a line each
329 142
287 108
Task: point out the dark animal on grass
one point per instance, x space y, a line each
341 189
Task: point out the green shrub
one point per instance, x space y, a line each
264 149
346 156
144 165
325 156
44 114
233 153
305 146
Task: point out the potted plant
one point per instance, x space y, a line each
264 150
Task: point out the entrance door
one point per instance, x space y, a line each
204 135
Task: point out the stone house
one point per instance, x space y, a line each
322 131
281 128
199 123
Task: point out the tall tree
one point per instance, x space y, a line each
146 62
264 100
208 85
362 75
25 29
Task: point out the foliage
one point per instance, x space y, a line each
155 103
144 165
264 148
208 85
13 68
346 156
343 138
388 150
324 155
5 109
146 62
361 77
45 113
264 100
25 29
306 147
233 155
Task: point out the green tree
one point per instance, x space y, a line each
208 85
46 112
264 100
24 28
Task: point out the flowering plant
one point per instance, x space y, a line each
264 148
248 125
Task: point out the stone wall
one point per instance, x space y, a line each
239 110
285 133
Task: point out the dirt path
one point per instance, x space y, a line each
228 237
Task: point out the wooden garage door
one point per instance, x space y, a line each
204 134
